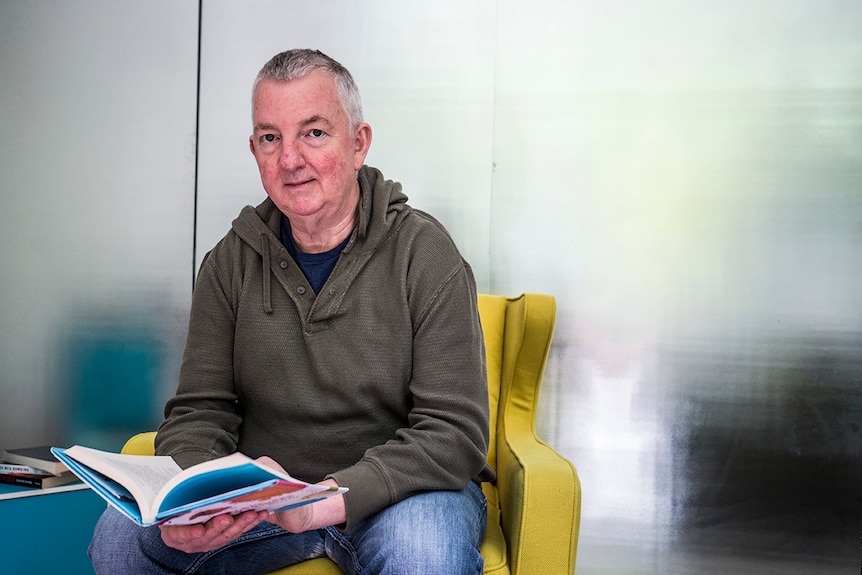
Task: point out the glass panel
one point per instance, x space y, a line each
693 198
97 157
426 79
685 178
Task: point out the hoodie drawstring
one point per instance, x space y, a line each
267 274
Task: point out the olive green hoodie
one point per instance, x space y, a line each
378 381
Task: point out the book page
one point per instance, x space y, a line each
142 475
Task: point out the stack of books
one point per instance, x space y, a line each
34 467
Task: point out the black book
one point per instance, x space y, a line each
38 457
37 480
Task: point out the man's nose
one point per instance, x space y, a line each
291 157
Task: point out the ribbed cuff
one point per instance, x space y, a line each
368 490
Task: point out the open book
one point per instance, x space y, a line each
154 489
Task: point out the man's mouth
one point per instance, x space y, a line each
297 183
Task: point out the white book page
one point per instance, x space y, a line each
142 475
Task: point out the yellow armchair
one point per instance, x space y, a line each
534 506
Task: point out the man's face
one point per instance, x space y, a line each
305 150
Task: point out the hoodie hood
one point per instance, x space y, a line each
382 208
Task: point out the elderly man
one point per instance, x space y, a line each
334 332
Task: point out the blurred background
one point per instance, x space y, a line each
684 176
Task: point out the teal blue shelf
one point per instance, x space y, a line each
47 531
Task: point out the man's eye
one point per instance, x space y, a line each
268 138
316 133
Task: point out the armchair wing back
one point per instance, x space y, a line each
534 506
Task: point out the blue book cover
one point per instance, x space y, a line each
153 489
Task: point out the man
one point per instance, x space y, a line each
334 331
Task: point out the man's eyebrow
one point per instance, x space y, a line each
263 126
266 126
315 120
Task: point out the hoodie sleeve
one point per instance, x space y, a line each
201 420
445 445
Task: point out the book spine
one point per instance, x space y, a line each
8 468
21 480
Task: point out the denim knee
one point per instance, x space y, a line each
118 546
432 533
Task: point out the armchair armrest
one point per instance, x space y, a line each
540 493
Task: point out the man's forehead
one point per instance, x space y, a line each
303 102
315 81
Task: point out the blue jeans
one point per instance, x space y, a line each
432 533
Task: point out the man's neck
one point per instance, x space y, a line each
315 239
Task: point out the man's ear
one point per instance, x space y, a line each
251 144
362 143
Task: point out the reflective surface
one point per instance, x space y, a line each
685 178
97 134
427 84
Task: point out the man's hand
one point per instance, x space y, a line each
223 529
211 535
317 515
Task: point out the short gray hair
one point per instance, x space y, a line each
299 63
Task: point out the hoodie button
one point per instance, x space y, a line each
283 264
300 290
